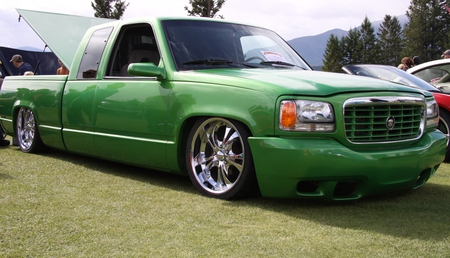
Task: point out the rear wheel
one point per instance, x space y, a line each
27 131
219 160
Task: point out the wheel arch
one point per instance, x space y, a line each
185 129
15 110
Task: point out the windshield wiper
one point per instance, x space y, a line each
208 62
218 62
280 63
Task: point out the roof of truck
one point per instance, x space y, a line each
63 33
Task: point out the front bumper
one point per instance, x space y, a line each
326 169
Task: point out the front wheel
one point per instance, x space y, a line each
219 160
27 131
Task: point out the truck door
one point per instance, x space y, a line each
131 112
78 103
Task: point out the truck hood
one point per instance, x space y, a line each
61 32
296 82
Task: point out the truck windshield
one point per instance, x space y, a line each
207 45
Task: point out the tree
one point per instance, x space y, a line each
333 55
426 33
205 8
105 9
370 50
351 46
390 41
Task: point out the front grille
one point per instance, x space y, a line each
387 119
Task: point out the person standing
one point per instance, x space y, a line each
446 54
407 63
62 69
23 67
416 60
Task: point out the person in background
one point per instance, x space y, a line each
407 63
416 60
446 54
23 67
3 142
62 69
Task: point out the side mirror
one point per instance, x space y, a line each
147 70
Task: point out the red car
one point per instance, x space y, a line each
391 73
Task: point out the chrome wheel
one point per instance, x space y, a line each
219 159
27 134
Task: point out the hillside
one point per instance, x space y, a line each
312 48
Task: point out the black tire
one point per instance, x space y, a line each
27 132
444 127
218 158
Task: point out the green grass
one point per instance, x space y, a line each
62 205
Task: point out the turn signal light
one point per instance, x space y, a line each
288 114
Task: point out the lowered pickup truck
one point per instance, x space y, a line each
231 105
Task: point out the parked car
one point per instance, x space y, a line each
394 74
436 72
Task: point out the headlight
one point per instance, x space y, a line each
432 113
306 116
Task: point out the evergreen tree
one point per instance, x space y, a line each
390 41
351 46
370 50
333 55
427 31
105 8
205 8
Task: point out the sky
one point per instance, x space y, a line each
289 18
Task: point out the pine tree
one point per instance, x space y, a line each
104 8
427 31
333 55
351 46
370 50
205 8
390 41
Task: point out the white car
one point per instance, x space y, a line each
436 72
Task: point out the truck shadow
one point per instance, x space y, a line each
402 214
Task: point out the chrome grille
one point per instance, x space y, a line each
385 119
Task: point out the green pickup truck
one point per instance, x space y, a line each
232 106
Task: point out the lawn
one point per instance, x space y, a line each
62 205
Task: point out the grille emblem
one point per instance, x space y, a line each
390 123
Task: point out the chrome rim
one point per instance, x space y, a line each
217 155
26 125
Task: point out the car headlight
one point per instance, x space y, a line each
432 113
306 116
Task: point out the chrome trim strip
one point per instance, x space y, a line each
50 127
118 136
383 100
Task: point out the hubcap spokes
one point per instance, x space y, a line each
26 128
217 156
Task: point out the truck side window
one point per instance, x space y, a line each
135 44
93 53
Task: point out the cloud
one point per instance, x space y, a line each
289 18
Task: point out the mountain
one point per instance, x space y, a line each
312 48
